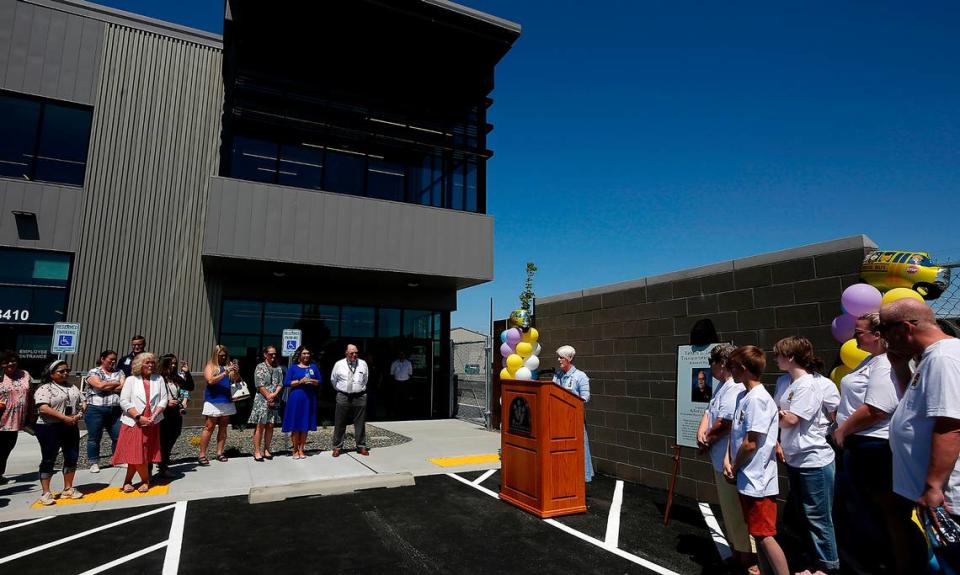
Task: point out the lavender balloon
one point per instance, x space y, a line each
513 336
859 299
842 327
506 350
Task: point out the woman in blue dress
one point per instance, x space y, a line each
571 378
300 413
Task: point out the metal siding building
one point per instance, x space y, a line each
164 229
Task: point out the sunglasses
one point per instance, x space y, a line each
271 353
62 371
887 326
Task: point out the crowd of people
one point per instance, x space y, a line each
895 420
140 401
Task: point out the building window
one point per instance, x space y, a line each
33 286
345 172
389 325
43 140
240 316
418 324
358 322
386 180
254 160
301 167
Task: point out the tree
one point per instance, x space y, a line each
527 296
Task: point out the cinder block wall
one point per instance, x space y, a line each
626 336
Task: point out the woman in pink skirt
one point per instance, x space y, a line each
143 399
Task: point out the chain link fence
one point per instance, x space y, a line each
470 365
947 306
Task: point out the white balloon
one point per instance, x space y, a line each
523 373
536 349
532 363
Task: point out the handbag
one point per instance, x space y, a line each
239 390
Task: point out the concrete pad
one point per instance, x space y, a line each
434 439
337 486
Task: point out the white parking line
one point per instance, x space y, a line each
75 536
25 523
486 475
171 562
612 538
593 541
124 559
715 532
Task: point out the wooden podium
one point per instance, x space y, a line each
541 438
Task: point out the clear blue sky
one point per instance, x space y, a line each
634 138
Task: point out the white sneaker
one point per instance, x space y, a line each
47 499
94 468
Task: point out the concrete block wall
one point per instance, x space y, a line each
626 336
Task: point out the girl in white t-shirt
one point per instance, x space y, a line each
808 403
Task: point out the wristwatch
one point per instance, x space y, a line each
137 417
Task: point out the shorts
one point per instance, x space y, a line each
760 513
218 409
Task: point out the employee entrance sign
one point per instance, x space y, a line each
66 337
291 341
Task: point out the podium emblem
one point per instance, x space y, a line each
520 416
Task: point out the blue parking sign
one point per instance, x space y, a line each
66 341
66 336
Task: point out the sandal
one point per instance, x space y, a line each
127 488
221 457
203 461
144 487
267 455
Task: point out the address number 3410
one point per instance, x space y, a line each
15 314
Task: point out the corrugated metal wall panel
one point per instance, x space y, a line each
56 208
347 231
154 145
49 53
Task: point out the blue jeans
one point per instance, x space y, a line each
811 494
587 460
98 419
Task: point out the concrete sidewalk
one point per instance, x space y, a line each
430 440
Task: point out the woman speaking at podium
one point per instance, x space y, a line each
572 379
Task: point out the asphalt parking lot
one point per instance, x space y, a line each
444 524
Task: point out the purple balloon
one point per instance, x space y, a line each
842 327
505 350
859 299
513 336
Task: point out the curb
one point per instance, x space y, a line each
321 487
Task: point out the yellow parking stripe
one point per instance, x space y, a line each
107 494
466 460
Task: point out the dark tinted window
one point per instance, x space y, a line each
385 180
64 136
241 316
455 200
254 160
418 324
471 187
345 172
58 155
32 305
34 268
322 320
357 322
389 325
301 167
19 118
280 316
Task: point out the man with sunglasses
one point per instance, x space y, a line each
925 428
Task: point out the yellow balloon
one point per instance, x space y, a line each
899 293
839 373
531 336
851 355
505 374
514 362
524 349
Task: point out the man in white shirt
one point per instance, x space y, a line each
401 370
349 379
925 428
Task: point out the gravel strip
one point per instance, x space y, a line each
240 443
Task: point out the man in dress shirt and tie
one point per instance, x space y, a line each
349 378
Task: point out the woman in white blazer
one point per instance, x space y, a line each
142 400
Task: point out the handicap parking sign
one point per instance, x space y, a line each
291 341
66 336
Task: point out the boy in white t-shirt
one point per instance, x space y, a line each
925 428
750 462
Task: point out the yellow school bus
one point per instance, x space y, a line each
892 269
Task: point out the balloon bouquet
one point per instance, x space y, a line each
519 347
857 300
